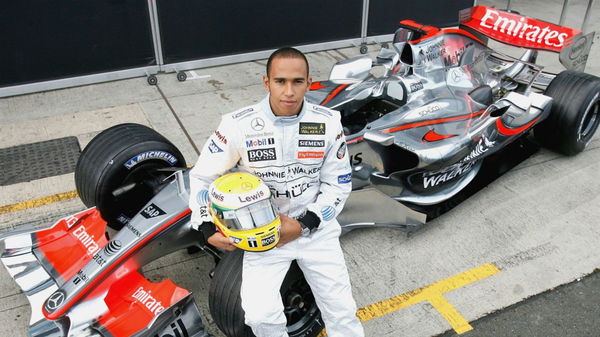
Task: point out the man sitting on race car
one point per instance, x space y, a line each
298 149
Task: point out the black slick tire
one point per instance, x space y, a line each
574 116
128 160
304 318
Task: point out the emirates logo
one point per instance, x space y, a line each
519 30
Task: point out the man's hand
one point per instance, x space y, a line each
290 230
219 241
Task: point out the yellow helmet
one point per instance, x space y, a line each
240 204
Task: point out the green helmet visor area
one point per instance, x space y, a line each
252 216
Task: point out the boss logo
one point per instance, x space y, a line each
262 154
268 240
416 86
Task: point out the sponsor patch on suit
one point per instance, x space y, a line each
310 154
262 154
311 143
309 128
345 178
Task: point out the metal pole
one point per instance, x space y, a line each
588 12
508 6
153 12
365 21
563 14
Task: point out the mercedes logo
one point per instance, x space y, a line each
257 124
55 300
246 186
456 76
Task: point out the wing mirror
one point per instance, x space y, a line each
355 68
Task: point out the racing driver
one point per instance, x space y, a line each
298 149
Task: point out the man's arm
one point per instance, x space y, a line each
336 182
219 154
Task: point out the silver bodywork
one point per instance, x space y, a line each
428 87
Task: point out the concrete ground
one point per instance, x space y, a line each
569 310
532 230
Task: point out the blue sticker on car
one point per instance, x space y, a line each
345 178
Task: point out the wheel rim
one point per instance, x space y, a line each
300 307
589 122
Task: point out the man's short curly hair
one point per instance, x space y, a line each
286 52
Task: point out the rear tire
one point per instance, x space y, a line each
126 157
574 117
304 318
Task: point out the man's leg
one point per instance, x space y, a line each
324 267
262 276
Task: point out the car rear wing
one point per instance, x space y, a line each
521 31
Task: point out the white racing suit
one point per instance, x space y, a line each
304 161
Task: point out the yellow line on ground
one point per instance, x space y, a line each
456 320
38 202
433 294
432 291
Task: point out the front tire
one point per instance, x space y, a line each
304 318
574 117
122 168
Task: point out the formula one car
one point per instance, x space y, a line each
418 136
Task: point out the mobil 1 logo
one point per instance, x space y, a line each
262 154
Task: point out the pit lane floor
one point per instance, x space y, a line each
530 231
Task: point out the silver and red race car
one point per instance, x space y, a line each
418 136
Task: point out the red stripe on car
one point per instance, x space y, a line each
432 136
431 122
511 132
317 86
334 93
423 123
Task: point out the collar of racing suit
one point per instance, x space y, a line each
282 120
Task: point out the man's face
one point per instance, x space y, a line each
287 82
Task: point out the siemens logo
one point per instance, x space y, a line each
311 143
